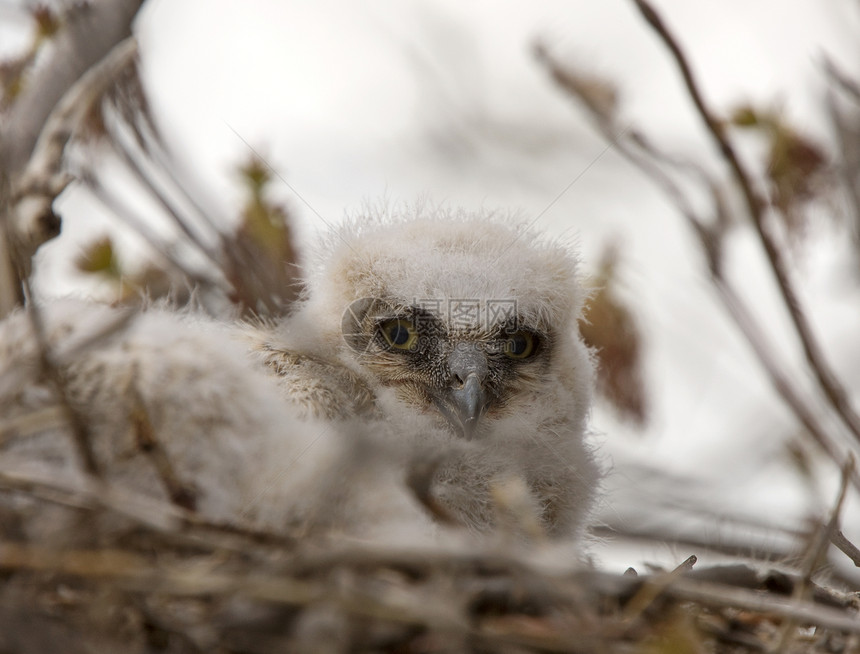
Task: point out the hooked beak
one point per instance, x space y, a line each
465 400
469 404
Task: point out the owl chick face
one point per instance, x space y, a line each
467 359
464 316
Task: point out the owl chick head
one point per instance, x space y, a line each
464 315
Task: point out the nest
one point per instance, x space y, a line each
172 582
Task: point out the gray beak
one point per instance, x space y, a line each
469 402
464 401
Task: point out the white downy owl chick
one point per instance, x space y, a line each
456 334
174 410
434 358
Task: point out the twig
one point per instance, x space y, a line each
643 155
164 160
119 146
848 548
848 167
76 420
50 417
848 85
710 594
42 178
11 293
742 317
164 518
118 322
159 246
747 550
828 382
687 564
825 536
133 572
147 440
820 541
440 607
89 32
711 244
652 588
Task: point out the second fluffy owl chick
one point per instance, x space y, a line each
458 334
173 410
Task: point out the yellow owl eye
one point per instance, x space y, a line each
520 345
399 333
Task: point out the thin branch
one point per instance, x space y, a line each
710 594
743 318
76 420
734 548
821 539
88 33
756 206
11 293
845 546
847 130
166 519
120 147
147 440
30 154
850 86
43 177
34 422
163 249
636 149
164 160
781 382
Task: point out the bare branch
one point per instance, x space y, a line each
76 420
30 168
167 519
637 149
821 539
710 594
11 293
148 441
89 32
756 206
781 381
846 124
51 417
845 546
850 86
43 177
164 249
147 180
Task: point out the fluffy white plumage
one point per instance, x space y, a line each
340 427
467 284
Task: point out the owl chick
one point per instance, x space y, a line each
433 363
173 410
457 333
